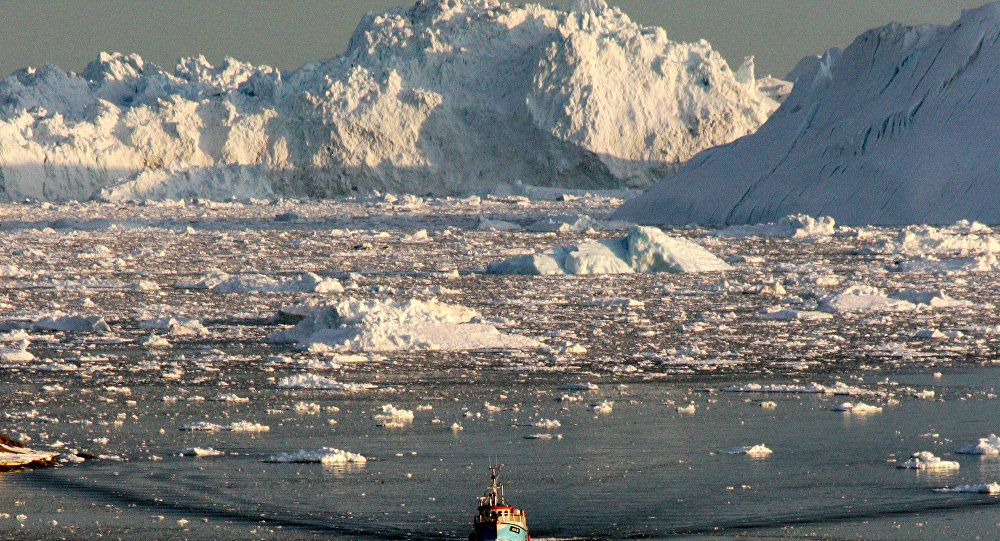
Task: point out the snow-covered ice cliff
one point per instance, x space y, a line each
445 96
898 128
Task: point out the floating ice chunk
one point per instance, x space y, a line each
688 409
932 265
393 417
862 298
14 454
17 353
990 445
603 406
579 224
385 325
857 409
207 281
793 225
247 426
614 301
485 224
982 488
304 408
239 426
542 436
960 240
202 426
154 341
937 334
455 427
176 326
199 451
582 386
71 323
790 314
229 397
935 298
759 450
547 424
306 282
838 388
925 460
645 249
312 381
768 405
326 455
569 348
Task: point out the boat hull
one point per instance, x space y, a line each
500 531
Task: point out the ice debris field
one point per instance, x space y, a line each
380 339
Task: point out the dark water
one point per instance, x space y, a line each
643 470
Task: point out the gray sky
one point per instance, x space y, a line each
289 33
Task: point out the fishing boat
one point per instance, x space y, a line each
496 519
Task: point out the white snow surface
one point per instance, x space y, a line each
444 96
645 249
386 325
898 128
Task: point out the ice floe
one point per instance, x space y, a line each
759 450
199 451
14 454
982 488
71 323
989 445
925 460
838 388
325 455
645 249
393 417
312 381
385 325
859 408
800 226
238 426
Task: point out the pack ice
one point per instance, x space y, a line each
645 249
898 128
444 96
384 325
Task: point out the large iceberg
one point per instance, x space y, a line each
645 249
899 128
445 96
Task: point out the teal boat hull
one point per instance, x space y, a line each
505 532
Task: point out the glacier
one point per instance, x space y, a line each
898 128
442 97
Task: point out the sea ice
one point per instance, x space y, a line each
983 488
393 417
645 249
312 381
859 408
71 323
199 451
326 455
990 445
925 460
385 325
759 450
